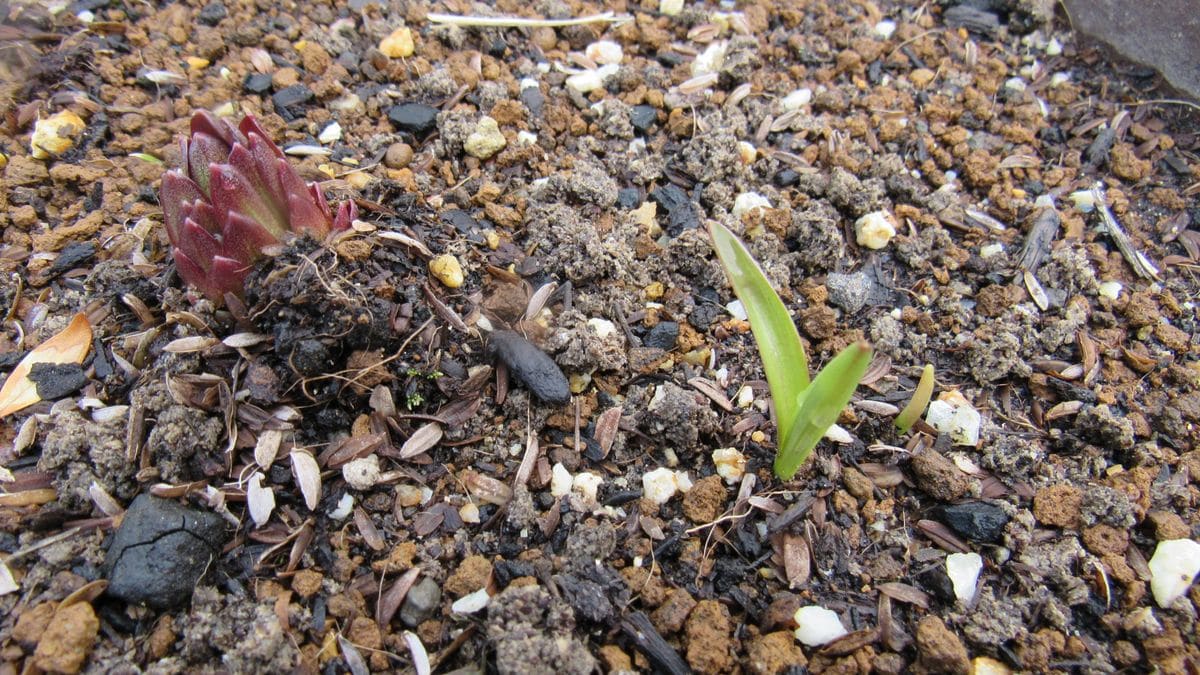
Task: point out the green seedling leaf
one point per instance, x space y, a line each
146 157
820 405
778 340
920 399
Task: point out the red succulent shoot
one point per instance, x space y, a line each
235 195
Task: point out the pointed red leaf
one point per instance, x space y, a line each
176 190
231 191
205 216
250 128
227 276
347 212
204 151
245 239
304 215
242 160
189 271
265 155
197 244
204 122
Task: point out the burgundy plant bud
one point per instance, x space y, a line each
235 195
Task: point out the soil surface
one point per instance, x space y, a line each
368 465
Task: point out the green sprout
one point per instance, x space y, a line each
920 399
804 410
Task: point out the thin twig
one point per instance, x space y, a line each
1136 259
522 22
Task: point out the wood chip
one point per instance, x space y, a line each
367 529
422 440
1137 260
904 593
942 536
712 391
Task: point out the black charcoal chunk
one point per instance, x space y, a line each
531 366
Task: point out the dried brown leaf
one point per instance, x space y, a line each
71 345
904 593
607 426
422 440
308 477
267 447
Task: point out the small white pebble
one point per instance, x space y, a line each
747 153
471 602
1054 47
875 230
363 473
711 59
346 103
526 138
839 435
953 414
659 485
590 80
1059 79
1084 200
670 7
1173 568
602 327
730 463
85 16
528 83
331 134
469 513
986 665
797 99
963 570
738 310
1110 289
604 52
816 626
988 250
560 480
486 140
885 28
586 485
745 396
345 507
1015 84
748 202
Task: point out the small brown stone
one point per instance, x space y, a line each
68 639
306 583
398 155
774 653
471 575
314 58
162 638
285 77
32 623
939 477
1168 526
705 502
709 633
857 483
1106 539
615 659
400 559
939 650
781 613
1058 506
669 617
643 582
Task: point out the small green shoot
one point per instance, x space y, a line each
146 157
803 411
918 402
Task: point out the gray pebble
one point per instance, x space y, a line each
422 599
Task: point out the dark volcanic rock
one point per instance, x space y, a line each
977 521
288 100
56 380
257 83
161 551
663 335
1160 34
643 117
537 371
417 119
